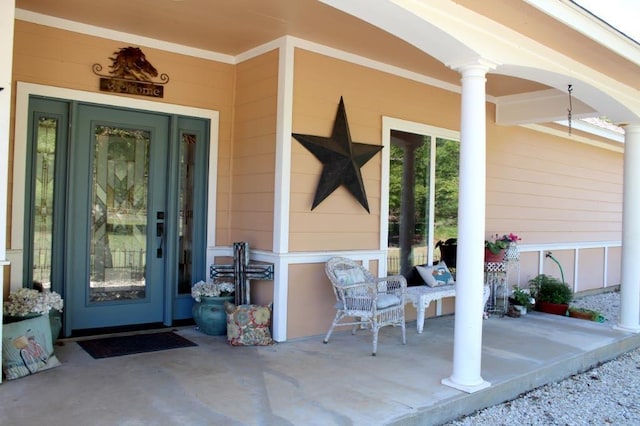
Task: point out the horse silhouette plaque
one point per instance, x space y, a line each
130 72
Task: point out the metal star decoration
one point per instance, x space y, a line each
341 159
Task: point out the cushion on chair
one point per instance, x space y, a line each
386 300
436 275
350 276
383 301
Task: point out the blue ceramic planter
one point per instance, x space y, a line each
210 316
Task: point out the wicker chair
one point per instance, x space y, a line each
365 301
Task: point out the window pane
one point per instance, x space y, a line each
446 193
408 201
119 214
185 232
43 201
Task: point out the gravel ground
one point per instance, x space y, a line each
605 395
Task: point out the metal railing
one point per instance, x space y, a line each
125 263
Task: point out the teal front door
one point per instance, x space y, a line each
118 190
118 226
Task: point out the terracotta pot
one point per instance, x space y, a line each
581 315
552 308
489 256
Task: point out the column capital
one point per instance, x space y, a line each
631 128
476 66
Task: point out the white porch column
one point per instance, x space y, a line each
7 16
467 342
630 285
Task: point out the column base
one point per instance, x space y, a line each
621 327
466 388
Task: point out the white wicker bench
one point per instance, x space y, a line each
422 296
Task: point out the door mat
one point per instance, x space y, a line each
108 347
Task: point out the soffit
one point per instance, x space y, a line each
234 27
531 22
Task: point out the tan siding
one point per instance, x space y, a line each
309 302
254 151
65 59
547 189
253 165
528 269
262 292
544 188
317 242
614 273
591 269
368 95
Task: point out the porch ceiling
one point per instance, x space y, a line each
234 27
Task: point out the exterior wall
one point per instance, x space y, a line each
340 222
613 276
310 301
551 190
253 152
546 189
591 268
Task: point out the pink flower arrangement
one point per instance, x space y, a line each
497 242
512 238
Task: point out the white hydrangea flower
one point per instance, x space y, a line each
210 289
26 301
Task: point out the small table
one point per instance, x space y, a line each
422 296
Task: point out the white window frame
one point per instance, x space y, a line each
389 124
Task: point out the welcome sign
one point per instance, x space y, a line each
130 72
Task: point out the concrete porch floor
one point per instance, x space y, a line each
305 382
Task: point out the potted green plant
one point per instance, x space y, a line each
551 295
521 300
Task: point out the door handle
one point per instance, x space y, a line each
159 232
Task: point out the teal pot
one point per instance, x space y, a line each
8 319
210 316
55 319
